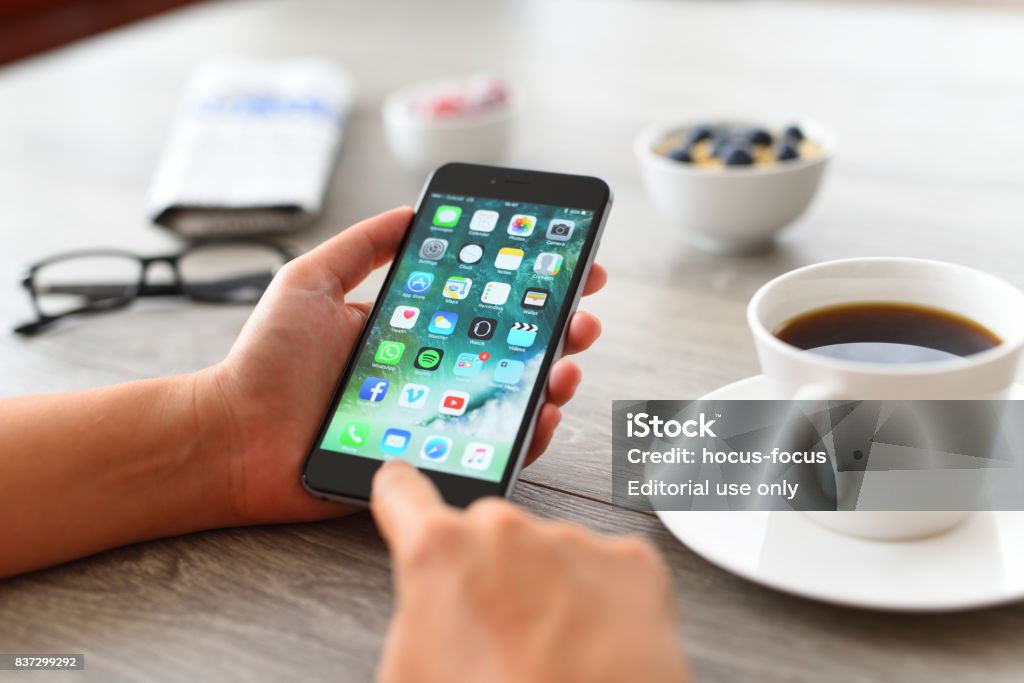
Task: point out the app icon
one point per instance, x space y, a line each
428 358
413 395
471 253
535 297
447 216
477 456
509 371
560 230
496 293
483 220
522 334
374 389
433 248
419 282
453 403
389 353
509 258
395 441
355 434
468 365
482 328
457 288
522 225
405 317
443 322
547 264
436 448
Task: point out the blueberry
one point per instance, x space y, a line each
793 133
787 150
759 136
738 156
699 134
721 145
681 154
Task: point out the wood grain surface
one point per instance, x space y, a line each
926 101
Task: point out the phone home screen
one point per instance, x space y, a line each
445 375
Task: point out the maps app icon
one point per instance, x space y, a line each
419 282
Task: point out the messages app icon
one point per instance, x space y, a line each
447 216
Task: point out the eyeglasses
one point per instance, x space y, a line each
98 280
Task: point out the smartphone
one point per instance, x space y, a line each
450 371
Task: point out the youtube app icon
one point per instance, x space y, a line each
453 403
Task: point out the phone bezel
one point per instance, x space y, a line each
346 477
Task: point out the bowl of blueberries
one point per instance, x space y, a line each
732 186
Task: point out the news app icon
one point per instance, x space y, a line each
436 448
395 441
374 389
453 403
477 456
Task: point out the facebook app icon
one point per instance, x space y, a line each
374 389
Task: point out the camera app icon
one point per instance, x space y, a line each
560 230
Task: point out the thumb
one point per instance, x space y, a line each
402 500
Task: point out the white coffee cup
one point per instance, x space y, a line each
800 375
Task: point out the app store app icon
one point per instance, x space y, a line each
419 282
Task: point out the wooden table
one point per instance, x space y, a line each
927 103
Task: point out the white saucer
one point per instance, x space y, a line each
978 563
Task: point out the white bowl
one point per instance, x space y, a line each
733 209
422 144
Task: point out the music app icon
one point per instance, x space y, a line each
477 456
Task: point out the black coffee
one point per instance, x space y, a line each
887 333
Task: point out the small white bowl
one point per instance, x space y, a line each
735 209
421 144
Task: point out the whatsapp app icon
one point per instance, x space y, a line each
389 353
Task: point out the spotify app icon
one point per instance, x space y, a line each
428 358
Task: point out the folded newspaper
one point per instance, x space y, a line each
252 147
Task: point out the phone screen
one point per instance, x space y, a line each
445 374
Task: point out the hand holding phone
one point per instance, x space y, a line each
451 368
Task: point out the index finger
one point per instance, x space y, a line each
401 500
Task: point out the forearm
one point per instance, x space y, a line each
93 470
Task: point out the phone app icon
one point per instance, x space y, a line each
522 225
482 328
457 288
453 403
468 365
389 353
560 230
413 395
395 441
536 297
428 358
509 258
433 248
471 253
355 434
509 371
522 334
405 317
548 264
477 456
447 216
483 220
496 293
419 282
443 322
436 448
374 389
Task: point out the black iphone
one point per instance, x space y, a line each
450 370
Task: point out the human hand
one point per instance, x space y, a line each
272 389
493 594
